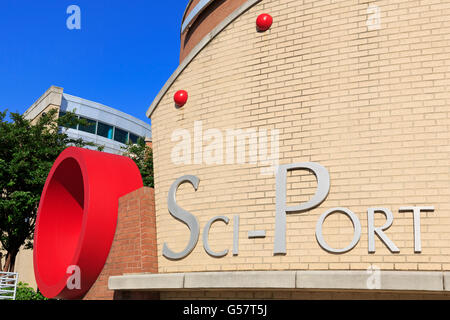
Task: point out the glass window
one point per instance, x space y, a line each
133 138
105 130
62 114
90 128
121 135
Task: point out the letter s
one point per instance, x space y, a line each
184 216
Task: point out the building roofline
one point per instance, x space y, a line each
186 10
194 14
51 93
106 108
55 95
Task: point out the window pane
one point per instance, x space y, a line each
121 135
133 138
62 114
105 130
89 128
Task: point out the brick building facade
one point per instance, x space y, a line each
369 101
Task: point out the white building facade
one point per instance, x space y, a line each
108 127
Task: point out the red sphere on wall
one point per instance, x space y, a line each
180 98
264 22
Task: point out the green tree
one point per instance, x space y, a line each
27 153
142 155
25 292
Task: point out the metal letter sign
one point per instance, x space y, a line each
281 210
206 234
184 216
379 231
356 226
323 188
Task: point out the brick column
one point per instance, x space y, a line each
134 247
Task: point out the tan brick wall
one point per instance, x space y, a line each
46 110
134 246
51 99
373 107
24 267
211 16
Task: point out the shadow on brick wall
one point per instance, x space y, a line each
134 249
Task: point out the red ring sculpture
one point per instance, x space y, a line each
77 218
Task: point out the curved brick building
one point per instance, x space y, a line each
358 90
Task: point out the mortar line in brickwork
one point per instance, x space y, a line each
140 232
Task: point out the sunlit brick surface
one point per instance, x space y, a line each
133 249
373 107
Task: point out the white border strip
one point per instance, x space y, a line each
202 5
334 280
186 10
199 47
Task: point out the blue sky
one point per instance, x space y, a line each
121 57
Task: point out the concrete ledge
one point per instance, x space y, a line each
411 280
447 281
242 279
352 280
332 279
147 281
364 280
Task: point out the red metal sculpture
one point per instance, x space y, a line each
77 218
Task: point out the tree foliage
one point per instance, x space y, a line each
142 155
25 292
27 153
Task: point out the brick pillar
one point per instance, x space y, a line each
134 247
148 142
